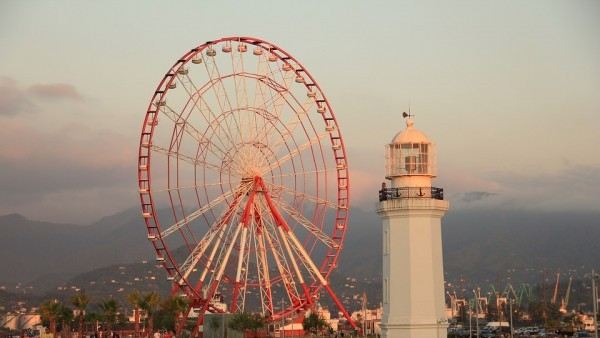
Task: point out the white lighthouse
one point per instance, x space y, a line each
411 210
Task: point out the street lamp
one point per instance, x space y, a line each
595 299
477 311
470 321
510 304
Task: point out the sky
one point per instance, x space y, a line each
508 90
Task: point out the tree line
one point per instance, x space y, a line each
149 310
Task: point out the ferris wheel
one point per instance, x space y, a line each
243 180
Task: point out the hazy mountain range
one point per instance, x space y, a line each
481 246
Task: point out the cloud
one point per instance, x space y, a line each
55 91
473 196
572 188
39 166
15 99
364 188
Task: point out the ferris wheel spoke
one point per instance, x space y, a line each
290 254
280 262
279 96
299 149
186 158
238 284
220 239
245 222
220 93
305 257
298 173
207 114
291 124
214 231
308 225
296 194
189 128
262 265
239 81
196 186
266 85
299 109
284 230
199 212
243 285
217 277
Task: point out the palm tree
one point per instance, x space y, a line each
176 306
109 310
80 301
51 311
149 303
135 299
66 317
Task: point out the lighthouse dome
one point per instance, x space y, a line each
410 134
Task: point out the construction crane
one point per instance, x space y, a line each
509 290
555 294
565 300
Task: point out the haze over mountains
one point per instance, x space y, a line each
479 245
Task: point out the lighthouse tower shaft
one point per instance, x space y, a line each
411 211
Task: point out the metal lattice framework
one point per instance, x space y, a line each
243 180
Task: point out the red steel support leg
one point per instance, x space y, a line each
282 223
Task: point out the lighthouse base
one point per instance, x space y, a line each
434 330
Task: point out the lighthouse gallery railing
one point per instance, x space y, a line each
411 192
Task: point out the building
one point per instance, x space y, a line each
369 320
411 210
20 321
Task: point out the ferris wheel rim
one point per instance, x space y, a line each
144 156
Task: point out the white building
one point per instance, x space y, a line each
369 320
411 211
20 321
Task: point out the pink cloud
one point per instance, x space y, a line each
12 99
364 187
15 99
55 91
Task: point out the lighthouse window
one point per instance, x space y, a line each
409 158
422 166
386 291
386 243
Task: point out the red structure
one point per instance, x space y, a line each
243 180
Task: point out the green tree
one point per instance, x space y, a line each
93 318
110 310
245 321
65 317
80 301
149 304
135 299
51 311
170 316
314 323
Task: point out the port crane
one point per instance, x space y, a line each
555 294
565 300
